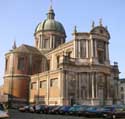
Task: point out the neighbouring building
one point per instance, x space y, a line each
56 72
122 90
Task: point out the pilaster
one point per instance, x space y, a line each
87 49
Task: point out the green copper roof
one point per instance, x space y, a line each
50 25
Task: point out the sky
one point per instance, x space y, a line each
19 18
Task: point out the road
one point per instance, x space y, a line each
15 114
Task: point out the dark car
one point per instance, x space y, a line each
49 108
40 108
64 109
73 110
93 111
81 110
114 112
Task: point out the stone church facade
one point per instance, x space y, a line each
55 72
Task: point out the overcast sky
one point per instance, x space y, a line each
19 18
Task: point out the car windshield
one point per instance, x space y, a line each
74 108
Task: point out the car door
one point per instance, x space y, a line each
119 112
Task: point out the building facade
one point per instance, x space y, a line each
63 73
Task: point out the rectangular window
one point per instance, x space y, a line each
54 82
33 85
43 84
21 63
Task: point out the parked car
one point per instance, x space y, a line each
32 108
73 110
114 112
3 115
81 110
24 108
49 109
55 110
64 109
94 111
40 108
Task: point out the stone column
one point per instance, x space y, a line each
77 85
37 88
61 86
80 86
47 91
53 41
96 85
64 83
96 48
75 48
51 37
108 86
91 48
87 52
92 76
107 51
87 85
41 41
67 83
79 51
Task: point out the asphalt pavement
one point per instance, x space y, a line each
15 114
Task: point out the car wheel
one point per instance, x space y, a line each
113 116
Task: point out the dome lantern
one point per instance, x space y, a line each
50 14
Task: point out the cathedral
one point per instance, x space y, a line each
56 72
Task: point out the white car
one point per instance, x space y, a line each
3 114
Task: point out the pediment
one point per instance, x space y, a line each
100 30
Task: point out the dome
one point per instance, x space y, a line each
50 24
